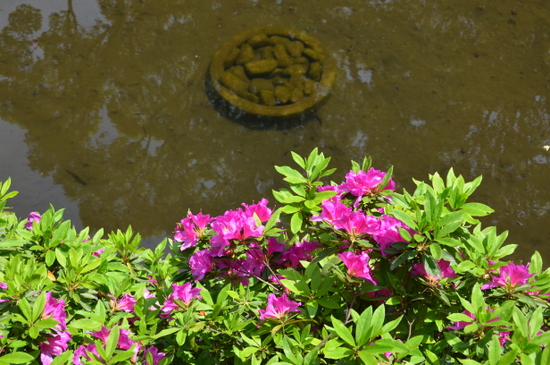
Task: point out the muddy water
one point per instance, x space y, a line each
103 108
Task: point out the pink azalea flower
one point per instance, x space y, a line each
357 265
357 224
511 276
81 351
278 308
124 341
274 246
55 309
331 211
182 292
125 304
33 217
157 356
261 210
3 285
191 229
363 183
444 266
98 252
234 225
299 252
54 346
236 271
255 262
147 294
388 232
201 262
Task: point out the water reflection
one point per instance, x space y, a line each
111 94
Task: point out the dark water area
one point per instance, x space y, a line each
103 109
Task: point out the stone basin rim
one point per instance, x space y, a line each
325 84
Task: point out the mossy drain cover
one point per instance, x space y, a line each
272 71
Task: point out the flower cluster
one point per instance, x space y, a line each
354 272
58 342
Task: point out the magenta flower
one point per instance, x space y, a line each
274 246
357 224
388 232
444 266
182 292
511 276
124 341
157 356
33 217
299 252
331 211
81 351
191 229
255 261
358 265
201 263
54 346
260 209
234 225
363 183
3 285
125 304
55 309
278 308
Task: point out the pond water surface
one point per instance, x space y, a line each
103 109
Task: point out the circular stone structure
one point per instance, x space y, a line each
272 72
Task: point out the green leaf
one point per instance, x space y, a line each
46 323
405 218
25 309
247 351
435 250
112 342
122 356
91 265
312 306
338 353
329 303
61 258
298 159
296 222
63 358
38 307
477 209
363 329
477 299
458 317
494 351
272 220
509 358
520 321
342 331
292 176
16 358
293 199
85 323
378 319
311 356
431 266
298 287
367 358
407 255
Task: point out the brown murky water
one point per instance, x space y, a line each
103 108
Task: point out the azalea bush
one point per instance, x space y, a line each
355 272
